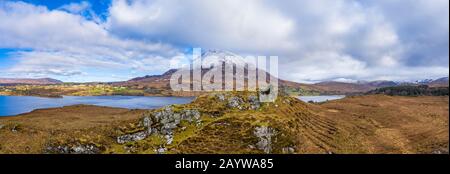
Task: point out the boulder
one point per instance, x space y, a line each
236 102
265 135
253 100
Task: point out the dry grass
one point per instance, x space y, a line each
363 124
389 124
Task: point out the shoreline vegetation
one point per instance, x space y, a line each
70 89
60 90
235 122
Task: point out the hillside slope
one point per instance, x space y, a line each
237 123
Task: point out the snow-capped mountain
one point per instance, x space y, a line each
423 81
219 56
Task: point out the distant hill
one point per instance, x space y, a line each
441 82
29 81
162 82
420 90
333 87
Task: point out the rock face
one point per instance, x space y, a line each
162 122
265 135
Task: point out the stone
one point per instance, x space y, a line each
254 102
169 138
288 150
76 149
161 150
132 137
147 123
235 102
265 135
164 122
85 149
221 97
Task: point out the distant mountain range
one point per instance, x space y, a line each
29 81
327 87
162 82
343 87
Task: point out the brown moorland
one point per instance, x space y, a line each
234 123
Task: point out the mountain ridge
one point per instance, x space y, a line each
325 87
30 81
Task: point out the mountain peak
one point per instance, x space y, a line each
215 56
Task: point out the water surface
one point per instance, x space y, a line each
13 105
320 98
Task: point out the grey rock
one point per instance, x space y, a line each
288 150
221 97
161 150
147 123
169 138
163 123
78 149
190 115
440 151
85 149
235 102
132 137
2 126
265 135
58 150
254 102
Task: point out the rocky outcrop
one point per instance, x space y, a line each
74 149
162 122
265 135
237 102
132 137
169 119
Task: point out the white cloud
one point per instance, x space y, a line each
63 43
76 7
230 25
315 40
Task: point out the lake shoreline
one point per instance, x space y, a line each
320 98
16 105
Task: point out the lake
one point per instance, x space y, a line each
13 105
320 98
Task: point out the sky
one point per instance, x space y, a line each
315 40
